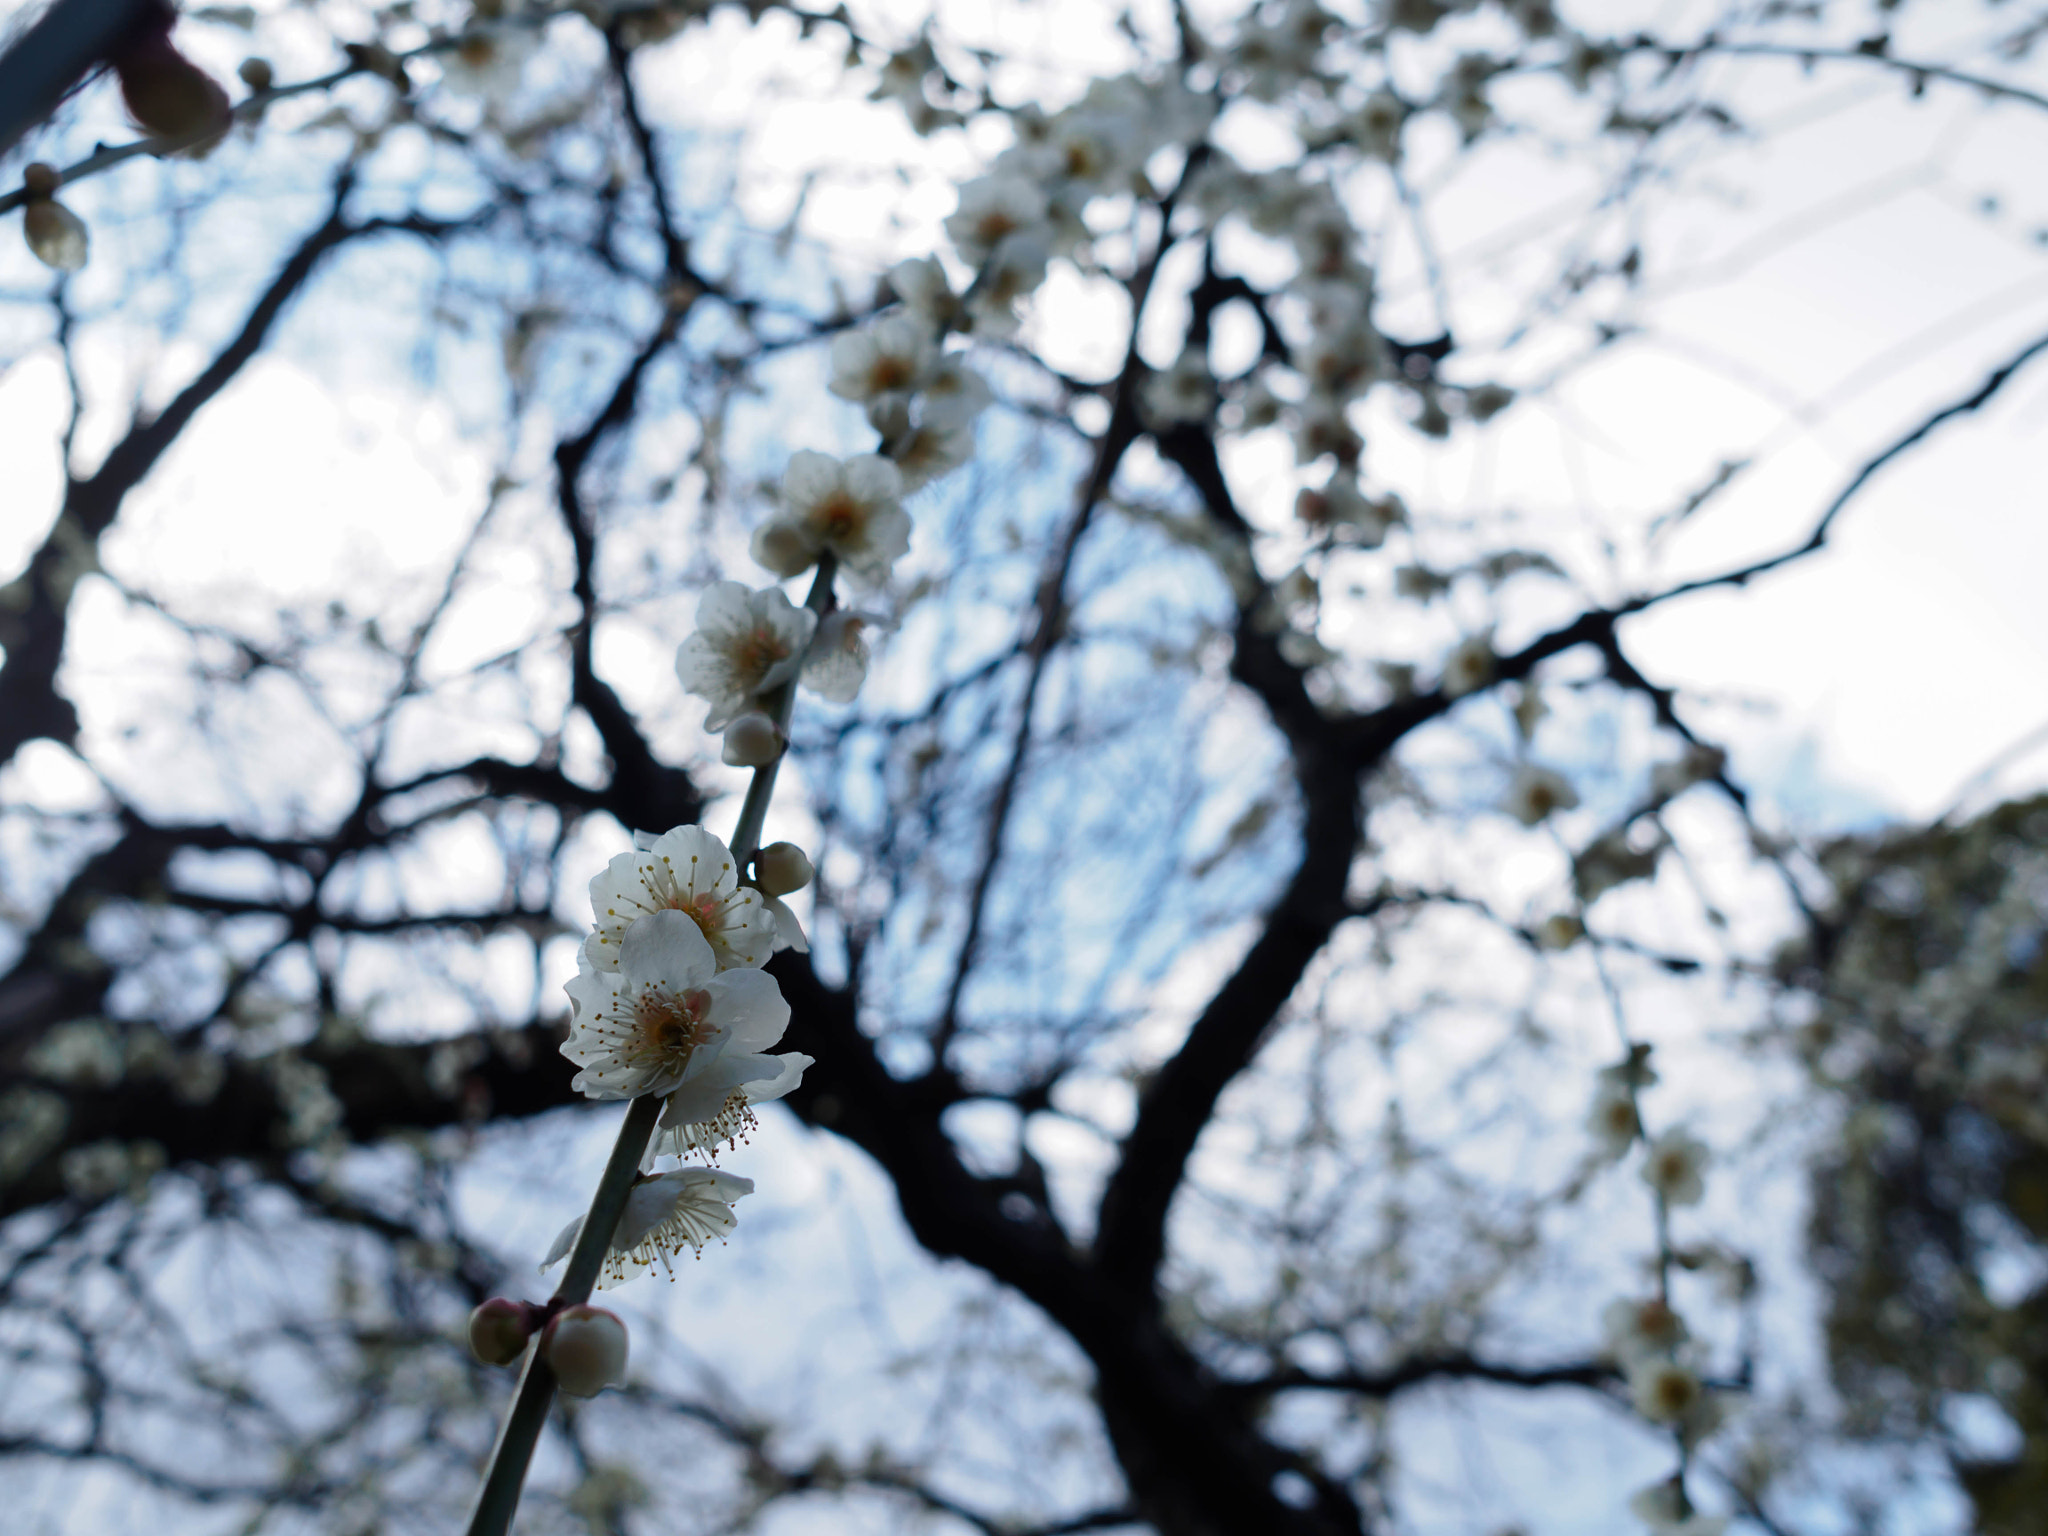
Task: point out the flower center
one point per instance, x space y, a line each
840 517
889 373
756 654
668 1028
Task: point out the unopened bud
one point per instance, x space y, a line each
39 180
256 74
586 1349
751 742
499 1329
784 549
55 234
166 93
781 868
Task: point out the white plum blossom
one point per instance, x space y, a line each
929 452
838 662
1613 1119
1321 427
1663 1390
719 1107
663 1212
1013 273
852 509
1676 1167
1376 126
686 870
746 644
926 293
1536 792
667 1014
1469 666
881 363
952 394
1635 1330
489 59
991 209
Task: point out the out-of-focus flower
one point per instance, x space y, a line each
1536 792
1676 1167
850 508
746 644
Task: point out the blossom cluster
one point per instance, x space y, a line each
670 999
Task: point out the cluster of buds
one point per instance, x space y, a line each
584 1346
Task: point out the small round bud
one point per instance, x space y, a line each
499 1329
784 549
586 1348
39 180
752 742
781 868
257 74
55 234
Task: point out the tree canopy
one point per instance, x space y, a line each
1285 569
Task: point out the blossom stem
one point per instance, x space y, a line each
498 1498
746 836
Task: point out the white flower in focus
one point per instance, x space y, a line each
746 644
667 1014
1536 792
991 209
719 1107
663 1212
1676 1167
1613 1119
838 661
686 870
850 508
881 362
1637 1329
1469 666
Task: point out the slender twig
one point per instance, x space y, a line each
746 834
498 1498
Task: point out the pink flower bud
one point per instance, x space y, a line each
586 1348
499 1329
781 868
751 742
